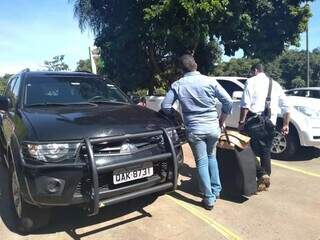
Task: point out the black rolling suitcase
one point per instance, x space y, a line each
237 165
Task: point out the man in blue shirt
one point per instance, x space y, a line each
198 96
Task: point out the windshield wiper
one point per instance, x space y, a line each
52 104
106 102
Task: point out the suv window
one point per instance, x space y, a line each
298 93
10 86
16 87
70 89
229 86
12 90
315 94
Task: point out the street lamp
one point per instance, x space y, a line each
307 48
94 55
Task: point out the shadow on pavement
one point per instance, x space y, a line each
6 208
190 186
69 219
304 154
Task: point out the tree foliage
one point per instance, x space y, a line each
235 67
3 82
84 65
140 40
56 64
289 69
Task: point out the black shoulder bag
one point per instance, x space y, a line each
260 126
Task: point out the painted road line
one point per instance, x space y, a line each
217 226
295 169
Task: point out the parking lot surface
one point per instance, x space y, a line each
289 210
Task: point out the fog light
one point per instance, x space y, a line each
53 186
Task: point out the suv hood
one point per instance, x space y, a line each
78 122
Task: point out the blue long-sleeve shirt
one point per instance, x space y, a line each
197 95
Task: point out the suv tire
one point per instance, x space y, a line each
284 147
27 217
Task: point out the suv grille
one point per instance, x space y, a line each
144 147
115 148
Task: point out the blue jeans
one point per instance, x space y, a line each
203 147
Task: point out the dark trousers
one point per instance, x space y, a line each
262 149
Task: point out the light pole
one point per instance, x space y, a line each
93 63
308 56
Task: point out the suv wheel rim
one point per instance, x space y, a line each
279 143
16 194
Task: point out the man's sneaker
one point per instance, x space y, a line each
263 183
266 180
261 187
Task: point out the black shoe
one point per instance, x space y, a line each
206 206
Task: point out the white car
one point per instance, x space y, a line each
304 123
309 92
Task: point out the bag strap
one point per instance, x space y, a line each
227 135
268 99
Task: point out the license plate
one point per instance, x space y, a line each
126 175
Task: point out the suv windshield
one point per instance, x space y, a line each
68 90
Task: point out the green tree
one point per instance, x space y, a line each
140 40
235 67
84 65
315 67
289 69
3 82
297 82
56 64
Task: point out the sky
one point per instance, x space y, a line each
32 31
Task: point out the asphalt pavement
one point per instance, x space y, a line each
289 210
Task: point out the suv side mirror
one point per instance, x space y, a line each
237 95
135 99
4 103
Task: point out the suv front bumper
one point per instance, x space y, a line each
81 183
309 133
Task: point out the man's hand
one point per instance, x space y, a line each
285 130
222 119
286 120
222 124
243 116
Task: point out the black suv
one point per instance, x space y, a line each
76 139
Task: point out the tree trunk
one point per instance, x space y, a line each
155 68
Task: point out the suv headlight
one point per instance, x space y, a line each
173 135
53 152
308 111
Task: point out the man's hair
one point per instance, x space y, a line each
257 66
187 63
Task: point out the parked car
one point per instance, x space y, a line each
76 139
309 92
304 123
